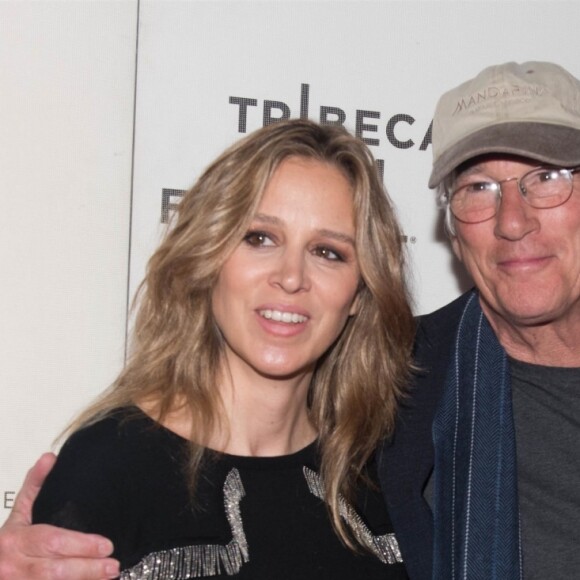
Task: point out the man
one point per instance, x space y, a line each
506 146
506 151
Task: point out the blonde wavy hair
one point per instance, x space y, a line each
176 346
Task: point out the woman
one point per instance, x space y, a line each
271 344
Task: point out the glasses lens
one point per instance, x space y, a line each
475 202
547 187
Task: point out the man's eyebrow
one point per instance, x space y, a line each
324 232
470 171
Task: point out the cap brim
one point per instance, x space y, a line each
544 142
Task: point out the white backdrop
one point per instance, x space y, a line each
66 126
105 104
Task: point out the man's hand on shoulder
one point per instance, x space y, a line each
30 552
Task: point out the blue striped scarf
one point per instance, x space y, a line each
476 514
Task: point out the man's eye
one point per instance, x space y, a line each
257 239
479 187
547 175
328 254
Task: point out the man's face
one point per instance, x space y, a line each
524 261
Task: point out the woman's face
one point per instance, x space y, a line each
284 295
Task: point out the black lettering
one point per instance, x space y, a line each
167 202
9 497
394 120
269 106
338 113
243 104
362 126
380 163
427 140
304 99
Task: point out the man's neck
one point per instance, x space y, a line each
555 343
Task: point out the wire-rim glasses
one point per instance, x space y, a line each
542 187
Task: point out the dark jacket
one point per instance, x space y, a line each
406 461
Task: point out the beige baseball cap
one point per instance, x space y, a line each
530 109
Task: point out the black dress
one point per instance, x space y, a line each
254 517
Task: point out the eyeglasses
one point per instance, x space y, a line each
542 188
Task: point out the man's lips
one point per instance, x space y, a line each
523 263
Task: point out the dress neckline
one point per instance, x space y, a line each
307 455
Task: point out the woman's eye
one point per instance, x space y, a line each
328 254
257 239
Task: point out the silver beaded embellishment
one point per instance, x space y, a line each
204 560
385 547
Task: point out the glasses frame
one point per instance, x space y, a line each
499 193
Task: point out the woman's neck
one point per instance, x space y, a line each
261 416
264 416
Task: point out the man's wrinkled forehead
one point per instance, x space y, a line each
477 164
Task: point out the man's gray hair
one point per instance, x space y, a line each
443 196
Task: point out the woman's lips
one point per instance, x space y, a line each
282 320
283 316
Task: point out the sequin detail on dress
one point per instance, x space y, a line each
385 547
202 560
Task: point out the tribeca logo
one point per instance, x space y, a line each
273 111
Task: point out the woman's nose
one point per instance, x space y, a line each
290 272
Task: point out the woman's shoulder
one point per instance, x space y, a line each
116 450
120 433
101 463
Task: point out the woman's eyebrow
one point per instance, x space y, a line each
268 219
338 236
324 232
